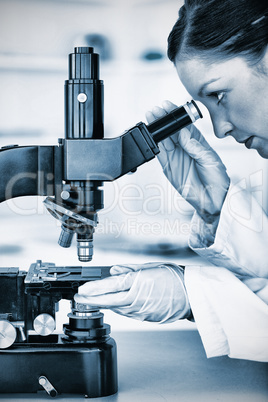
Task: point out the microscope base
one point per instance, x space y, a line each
87 369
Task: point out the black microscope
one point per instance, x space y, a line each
82 358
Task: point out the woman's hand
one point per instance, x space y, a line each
151 292
193 167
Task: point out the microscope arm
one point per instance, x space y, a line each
37 170
29 170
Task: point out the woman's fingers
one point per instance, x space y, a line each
108 285
123 269
109 300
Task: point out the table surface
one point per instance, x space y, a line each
157 366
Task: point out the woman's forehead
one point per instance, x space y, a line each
196 72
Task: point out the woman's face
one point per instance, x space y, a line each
236 96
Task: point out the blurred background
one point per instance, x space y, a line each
144 218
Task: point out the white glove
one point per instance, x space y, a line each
151 292
193 167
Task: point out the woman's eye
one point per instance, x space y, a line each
218 95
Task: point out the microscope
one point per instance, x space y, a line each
81 359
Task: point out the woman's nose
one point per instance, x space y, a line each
222 127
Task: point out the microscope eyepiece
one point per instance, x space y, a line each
178 118
83 64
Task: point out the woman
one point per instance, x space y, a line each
220 52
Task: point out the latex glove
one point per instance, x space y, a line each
193 167
151 292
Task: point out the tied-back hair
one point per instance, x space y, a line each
225 28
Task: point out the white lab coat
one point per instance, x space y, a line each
230 300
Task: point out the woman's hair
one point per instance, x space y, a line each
225 28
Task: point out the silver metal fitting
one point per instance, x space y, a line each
193 110
48 387
85 250
44 324
8 334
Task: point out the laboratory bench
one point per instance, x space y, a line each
154 365
171 366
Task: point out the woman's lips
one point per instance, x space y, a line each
248 142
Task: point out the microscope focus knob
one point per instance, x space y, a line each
8 334
44 324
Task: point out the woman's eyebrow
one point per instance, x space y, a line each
203 87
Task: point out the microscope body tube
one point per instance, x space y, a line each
83 120
83 96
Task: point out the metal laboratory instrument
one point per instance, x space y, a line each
82 358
